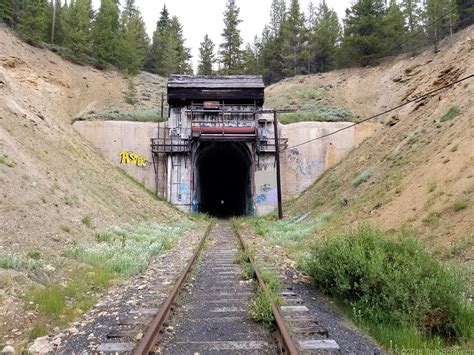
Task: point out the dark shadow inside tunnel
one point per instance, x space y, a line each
223 179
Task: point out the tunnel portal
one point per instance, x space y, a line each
223 179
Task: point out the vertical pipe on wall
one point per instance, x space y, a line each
277 158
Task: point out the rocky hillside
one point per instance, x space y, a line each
55 189
416 171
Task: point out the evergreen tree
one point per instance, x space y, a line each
277 16
325 39
206 57
250 65
466 13
33 25
441 17
293 33
133 39
156 54
169 54
55 23
412 12
164 19
231 53
105 33
394 29
183 54
77 27
363 32
270 56
6 11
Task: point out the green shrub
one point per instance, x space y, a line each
87 220
362 177
10 262
393 282
260 309
451 114
34 254
460 204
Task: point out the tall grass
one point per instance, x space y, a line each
127 250
395 283
287 233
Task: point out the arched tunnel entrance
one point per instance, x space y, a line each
223 181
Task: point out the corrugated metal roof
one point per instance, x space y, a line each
216 82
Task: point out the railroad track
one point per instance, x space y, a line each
214 317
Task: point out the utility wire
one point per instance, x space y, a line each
418 98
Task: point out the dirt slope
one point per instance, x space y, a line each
54 188
421 161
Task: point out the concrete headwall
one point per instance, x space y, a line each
302 165
126 144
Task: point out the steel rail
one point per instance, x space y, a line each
149 339
286 339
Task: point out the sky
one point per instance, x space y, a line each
199 17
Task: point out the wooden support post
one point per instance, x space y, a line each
162 104
277 159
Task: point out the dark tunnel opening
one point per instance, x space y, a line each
223 179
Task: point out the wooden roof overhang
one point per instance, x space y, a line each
237 89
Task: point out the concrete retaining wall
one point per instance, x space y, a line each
118 140
302 165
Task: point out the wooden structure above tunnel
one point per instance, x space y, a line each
237 89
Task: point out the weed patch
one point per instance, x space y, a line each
10 262
287 233
460 204
318 114
127 250
87 220
451 114
393 282
362 177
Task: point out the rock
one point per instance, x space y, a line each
8 350
41 345
73 331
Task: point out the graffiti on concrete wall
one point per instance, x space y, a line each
129 158
303 166
266 194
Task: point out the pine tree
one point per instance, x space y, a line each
412 12
77 27
394 29
466 13
363 32
105 33
164 19
6 11
250 55
133 39
230 51
156 55
183 54
33 25
326 36
277 16
206 57
293 33
55 23
441 17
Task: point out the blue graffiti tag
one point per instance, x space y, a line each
261 198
